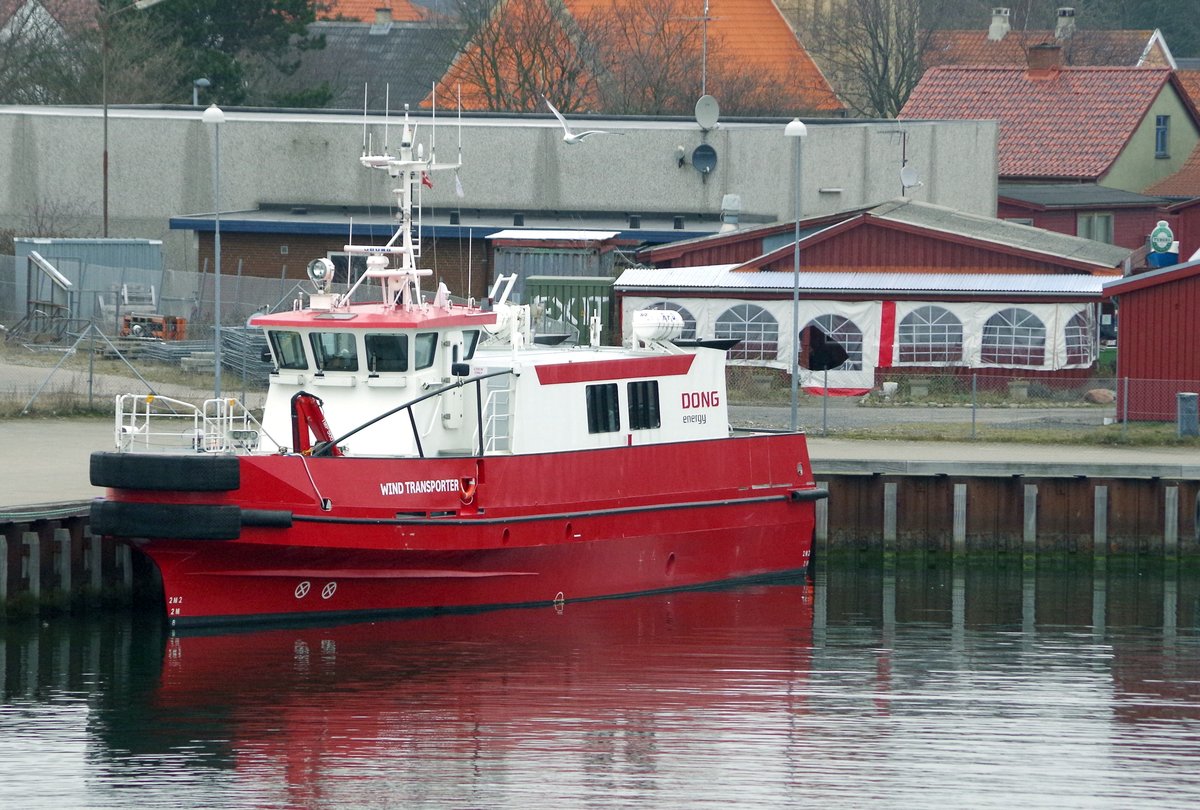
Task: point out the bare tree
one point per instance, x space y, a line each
514 52
873 51
653 58
643 58
35 66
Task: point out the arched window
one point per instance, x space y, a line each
839 329
755 327
930 334
1081 339
1014 337
689 320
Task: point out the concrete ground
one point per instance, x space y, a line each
45 461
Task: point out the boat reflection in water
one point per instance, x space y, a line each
421 700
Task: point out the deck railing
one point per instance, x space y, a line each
149 423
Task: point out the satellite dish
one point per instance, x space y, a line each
707 111
909 177
704 158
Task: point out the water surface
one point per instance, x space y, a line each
921 687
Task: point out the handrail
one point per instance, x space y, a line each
220 425
323 448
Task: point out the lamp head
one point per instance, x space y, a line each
213 115
795 129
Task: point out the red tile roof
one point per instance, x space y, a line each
1087 47
751 34
364 10
1069 123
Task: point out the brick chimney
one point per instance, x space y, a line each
1065 27
1044 60
999 26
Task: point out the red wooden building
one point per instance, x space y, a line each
1092 211
1159 348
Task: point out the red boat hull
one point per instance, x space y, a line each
343 536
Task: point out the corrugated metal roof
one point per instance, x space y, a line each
1075 195
1001 232
1175 272
534 235
725 278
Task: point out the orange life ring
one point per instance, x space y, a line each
466 490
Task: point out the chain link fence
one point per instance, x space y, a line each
962 406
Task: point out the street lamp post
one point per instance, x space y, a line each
197 86
104 20
796 129
215 117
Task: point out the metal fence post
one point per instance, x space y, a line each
825 405
1125 410
974 401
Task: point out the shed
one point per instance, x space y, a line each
554 252
100 270
1158 353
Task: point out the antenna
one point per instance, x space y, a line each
387 104
433 124
364 119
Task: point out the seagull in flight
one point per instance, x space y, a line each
574 137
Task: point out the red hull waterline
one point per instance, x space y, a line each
259 538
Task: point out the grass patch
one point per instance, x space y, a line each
1139 434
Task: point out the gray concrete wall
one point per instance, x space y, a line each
160 166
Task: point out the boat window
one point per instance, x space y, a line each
424 349
387 353
470 341
603 410
643 405
334 351
289 350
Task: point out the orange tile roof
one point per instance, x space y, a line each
1090 47
1190 81
751 34
364 10
1070 124
1183 183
